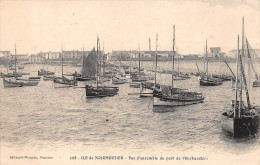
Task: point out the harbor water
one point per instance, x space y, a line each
42 119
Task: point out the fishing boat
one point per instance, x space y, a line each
47 75
63 82
205 79
140 76
11 83
173 97
134 85
8 75
97 91
49 78
177 97
242 121
148 89
25 82
87 72
43 72
118 80
222 77
14 82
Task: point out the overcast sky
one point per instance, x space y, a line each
45 25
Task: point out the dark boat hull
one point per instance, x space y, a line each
100 91
10 84
241 127
245 127
42 73
210 83
83 78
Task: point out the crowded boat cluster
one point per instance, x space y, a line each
242 120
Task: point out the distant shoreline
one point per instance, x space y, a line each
4 61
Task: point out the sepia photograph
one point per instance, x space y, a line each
129 82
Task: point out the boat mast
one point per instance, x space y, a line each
139 56
235 105
100 59
155 60
97 61
243 77
61 61
103 60
130 64
15 61
206 59
173 44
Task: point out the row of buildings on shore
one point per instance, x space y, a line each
77 56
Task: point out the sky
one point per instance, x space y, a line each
44 25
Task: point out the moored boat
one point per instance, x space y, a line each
205 79
241 121
100 91
63 82
117 80
43 72
97 91
11 83
168 96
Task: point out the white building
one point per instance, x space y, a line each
20 57
36 58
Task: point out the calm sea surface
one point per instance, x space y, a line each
44 119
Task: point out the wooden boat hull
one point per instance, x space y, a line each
118 81
100 91
141 79
10 75
210 83
48 78
10 84
135 85
29 83
61 85
241 127
174 103
41 73
35 78
84 78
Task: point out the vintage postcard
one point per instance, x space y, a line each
129 82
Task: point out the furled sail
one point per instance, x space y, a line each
90 64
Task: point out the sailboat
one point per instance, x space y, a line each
242 120
205 79
149 89
139 77
48 76
18 82
9 75
97 91
172 97
119 78
63 82
87 73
